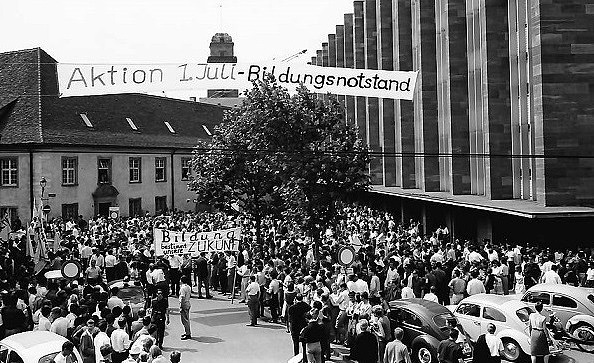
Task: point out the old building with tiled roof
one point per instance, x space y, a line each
95 152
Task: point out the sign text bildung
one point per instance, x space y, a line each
96 79
169 243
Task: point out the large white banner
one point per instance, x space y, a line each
169 243
96 79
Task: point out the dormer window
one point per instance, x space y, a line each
169 127
86 120
131 124
207 130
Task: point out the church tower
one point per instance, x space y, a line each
221 51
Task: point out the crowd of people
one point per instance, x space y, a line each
316 298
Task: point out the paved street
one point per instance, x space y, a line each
220 335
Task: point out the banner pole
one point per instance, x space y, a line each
233 287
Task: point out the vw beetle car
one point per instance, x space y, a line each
131 292
425 325
573 306
510 317
33 347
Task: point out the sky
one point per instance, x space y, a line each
161 31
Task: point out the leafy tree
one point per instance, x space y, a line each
328 163
282 154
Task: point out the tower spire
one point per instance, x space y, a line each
221 15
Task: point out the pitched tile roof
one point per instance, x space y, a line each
31 112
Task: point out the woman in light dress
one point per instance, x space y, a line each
519 288
539 343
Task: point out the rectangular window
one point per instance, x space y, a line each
9 172
69 211
135 170
104 171
160 204
185 168
69 170
135 207
160 171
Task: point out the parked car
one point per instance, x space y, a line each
131 292
573 306
33 347
510 317
425 325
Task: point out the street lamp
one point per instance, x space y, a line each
42 183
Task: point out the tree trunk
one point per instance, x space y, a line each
259 232
316 246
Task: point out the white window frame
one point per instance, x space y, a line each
135 168
9 167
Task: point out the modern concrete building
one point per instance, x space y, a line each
94 152
497 142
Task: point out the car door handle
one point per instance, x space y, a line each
477 323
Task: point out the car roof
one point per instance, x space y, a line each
504 301
35 343
577 292
120 283
420 306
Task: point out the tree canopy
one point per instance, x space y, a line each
279 154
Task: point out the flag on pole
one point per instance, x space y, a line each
29 245
57 240
4 228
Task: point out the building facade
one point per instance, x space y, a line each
496 144
132 151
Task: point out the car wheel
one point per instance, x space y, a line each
511 350
584 334
423 353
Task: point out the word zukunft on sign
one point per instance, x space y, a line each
169 243
95 79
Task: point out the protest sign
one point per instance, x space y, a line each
96 79
169 243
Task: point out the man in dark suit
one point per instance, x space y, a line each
201 273
364 349
297 321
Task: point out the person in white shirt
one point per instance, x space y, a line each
493 342
110 262
475 286
44 322
244 271
231 270
551 276
120 342
358 285
253 293
66 355
431 296
60 323
185 293
100 340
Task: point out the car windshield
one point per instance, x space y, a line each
441 320
48 358
131 293
524 314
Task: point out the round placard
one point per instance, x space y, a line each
113 215
346 255
71 269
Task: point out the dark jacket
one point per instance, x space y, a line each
481 353
297 316
312 333
364 349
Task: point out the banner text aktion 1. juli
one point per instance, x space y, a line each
96 79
